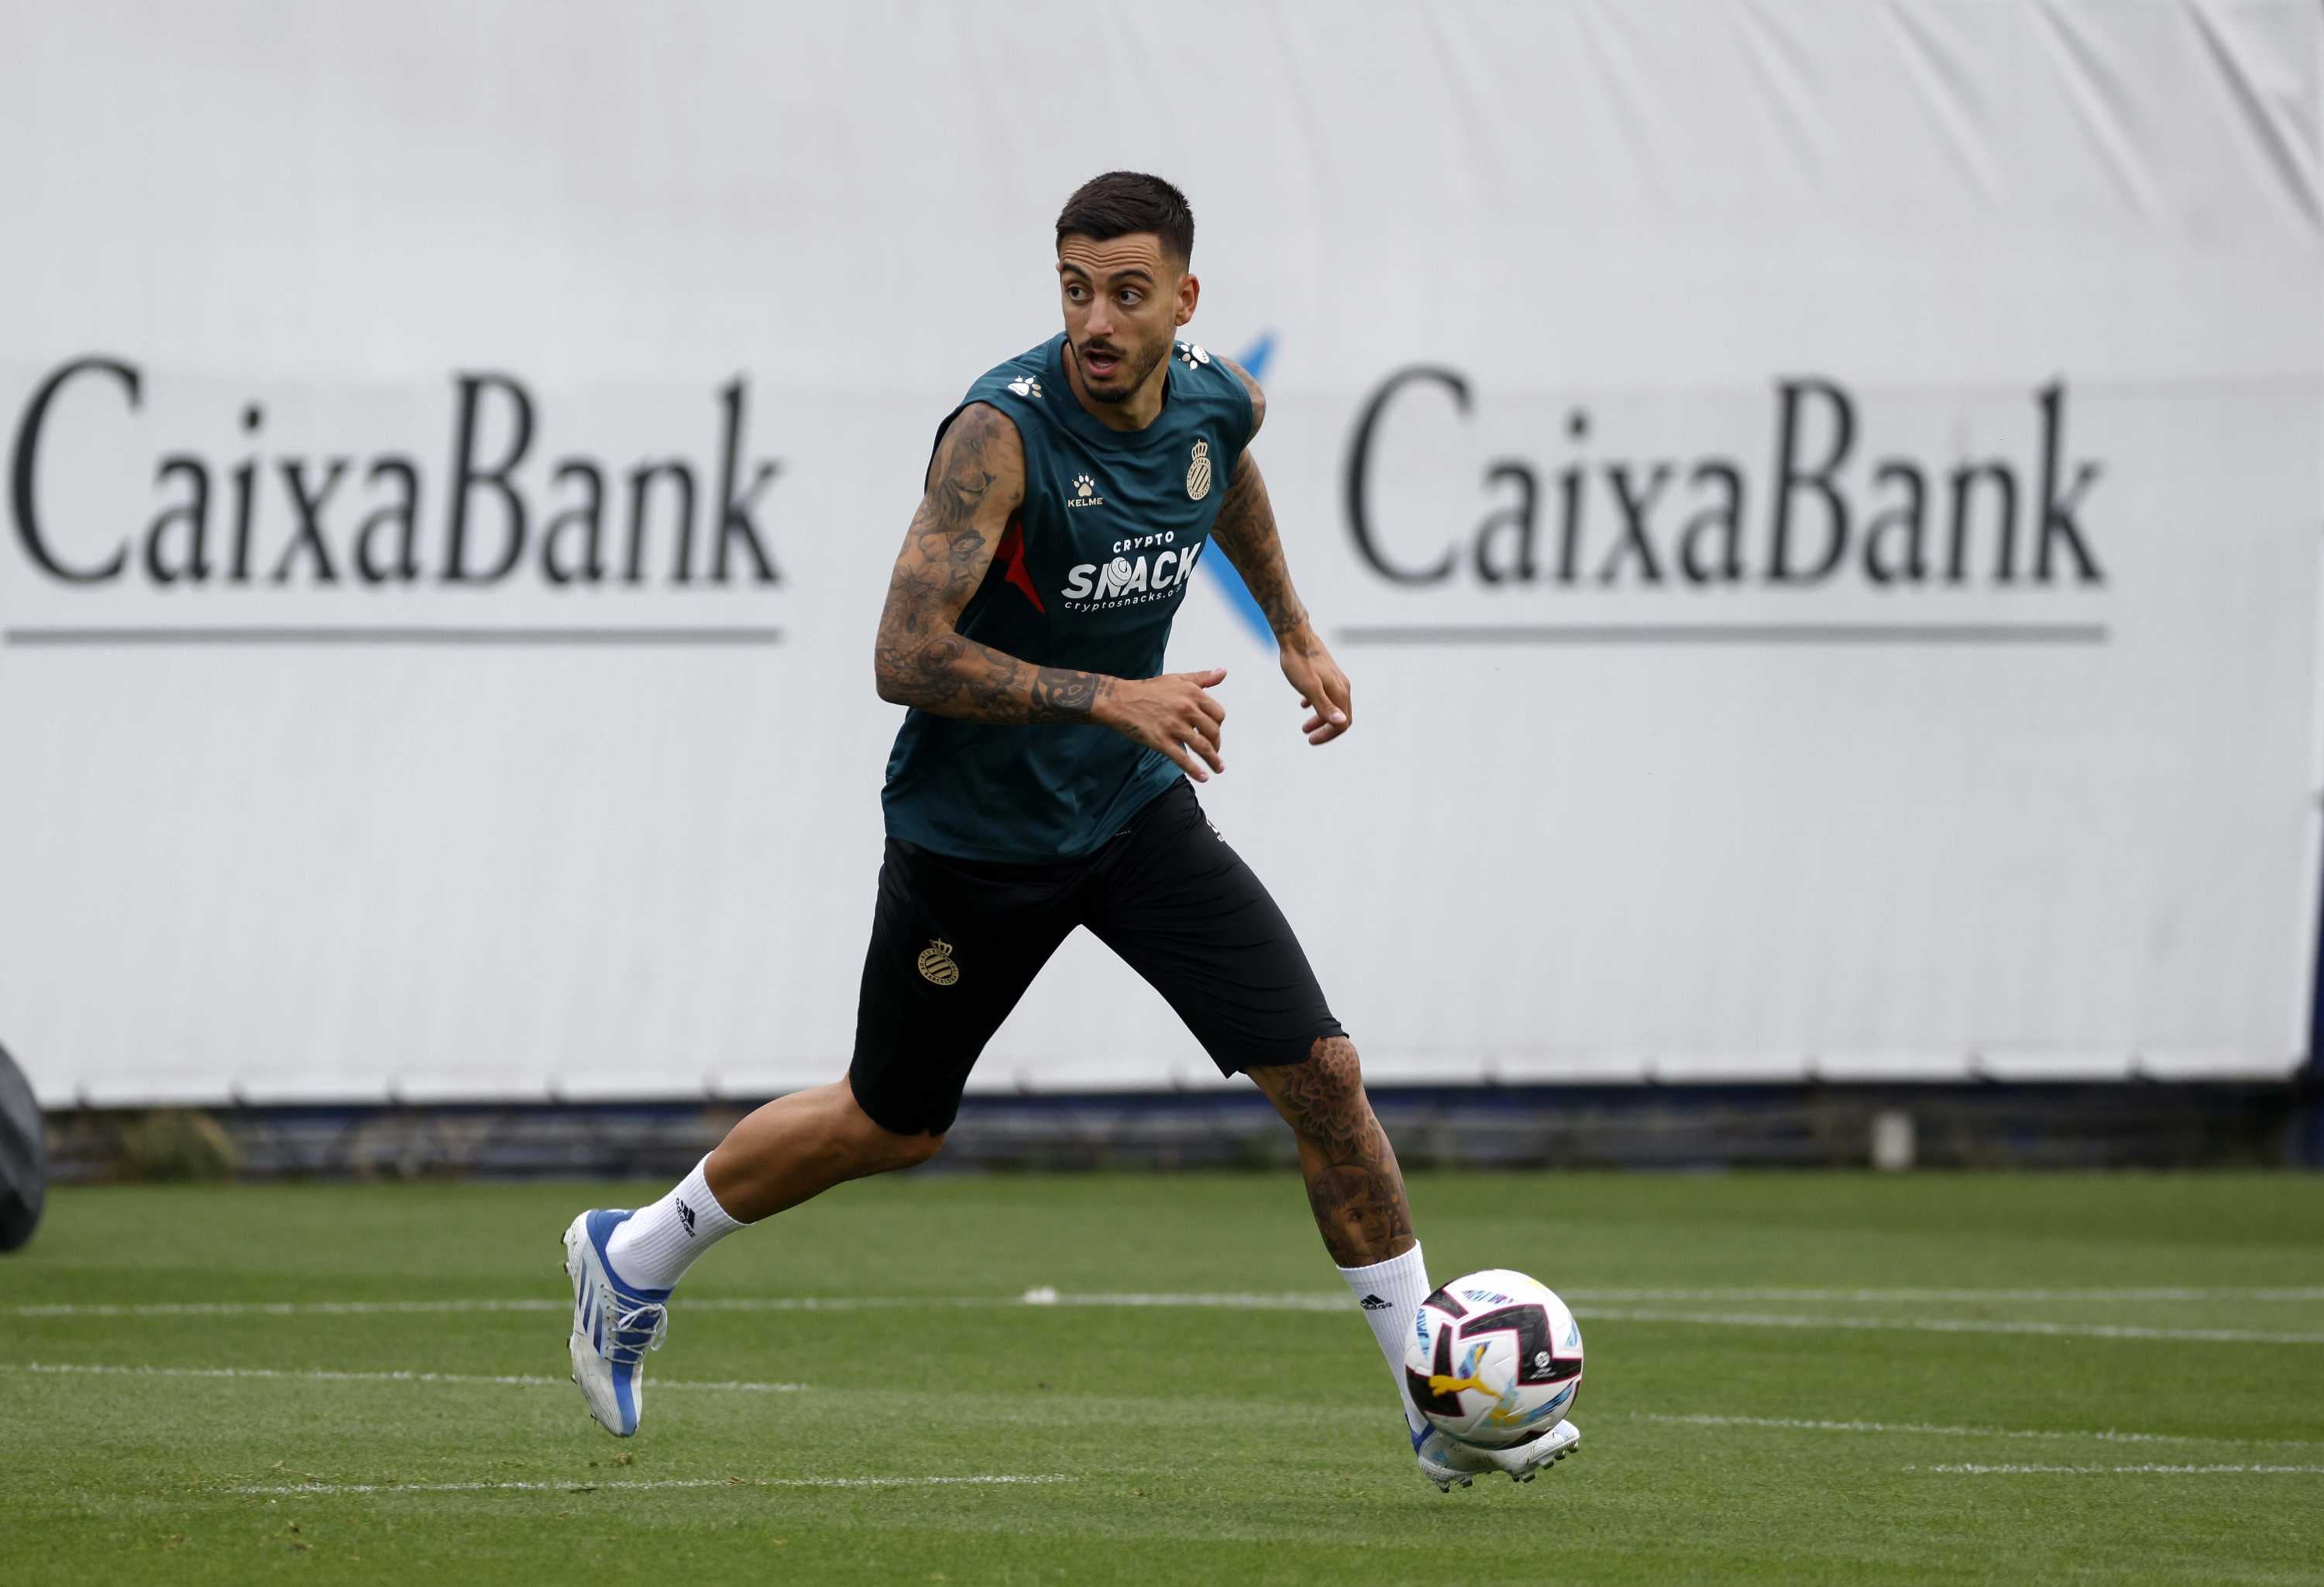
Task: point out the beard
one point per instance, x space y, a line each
1130 376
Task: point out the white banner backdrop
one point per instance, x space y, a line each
1819 501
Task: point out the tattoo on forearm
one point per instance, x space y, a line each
1062 695
1245 530
1354 1183
919 658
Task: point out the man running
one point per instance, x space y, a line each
1040 782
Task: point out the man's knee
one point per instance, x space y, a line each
1321 1092
908 1151
877 1149
1336 1071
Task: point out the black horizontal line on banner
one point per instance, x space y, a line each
1730 634
107 638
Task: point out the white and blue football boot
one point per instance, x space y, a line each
1445 1463
614 1325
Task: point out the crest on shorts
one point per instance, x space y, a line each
1198 472
935 963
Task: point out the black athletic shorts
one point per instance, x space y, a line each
955 943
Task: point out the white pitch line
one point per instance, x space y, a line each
1954 1325
366 1308
2149 1471
326 1490
1333 1302
320 1375
1295 1301
265 1308
1300 1301
530 1380
2170 1293
1932 1429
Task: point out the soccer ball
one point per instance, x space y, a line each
1495 1359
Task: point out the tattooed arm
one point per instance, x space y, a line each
976 481
1245 530
922 658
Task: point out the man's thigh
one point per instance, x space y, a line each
954 945
1184 912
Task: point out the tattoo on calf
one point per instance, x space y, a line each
1354 1183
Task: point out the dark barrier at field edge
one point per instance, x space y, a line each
2308 1129
2116 1126
24 1161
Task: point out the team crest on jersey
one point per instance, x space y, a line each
1192 354
1084 492
935 963
1025 387
1198 472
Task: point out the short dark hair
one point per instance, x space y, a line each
1122 202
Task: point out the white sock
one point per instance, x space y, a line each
1390 1292
654 1245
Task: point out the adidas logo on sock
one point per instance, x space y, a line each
1372 1303
686 1216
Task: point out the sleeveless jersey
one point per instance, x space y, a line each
1087 576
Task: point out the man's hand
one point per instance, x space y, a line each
1323 688
1245 530
1174 713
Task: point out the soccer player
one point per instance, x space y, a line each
1041 781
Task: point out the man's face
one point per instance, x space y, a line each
1124 300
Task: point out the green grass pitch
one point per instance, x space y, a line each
1791 1379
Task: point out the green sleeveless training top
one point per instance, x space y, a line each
1088 575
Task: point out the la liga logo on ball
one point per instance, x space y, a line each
1495 1359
